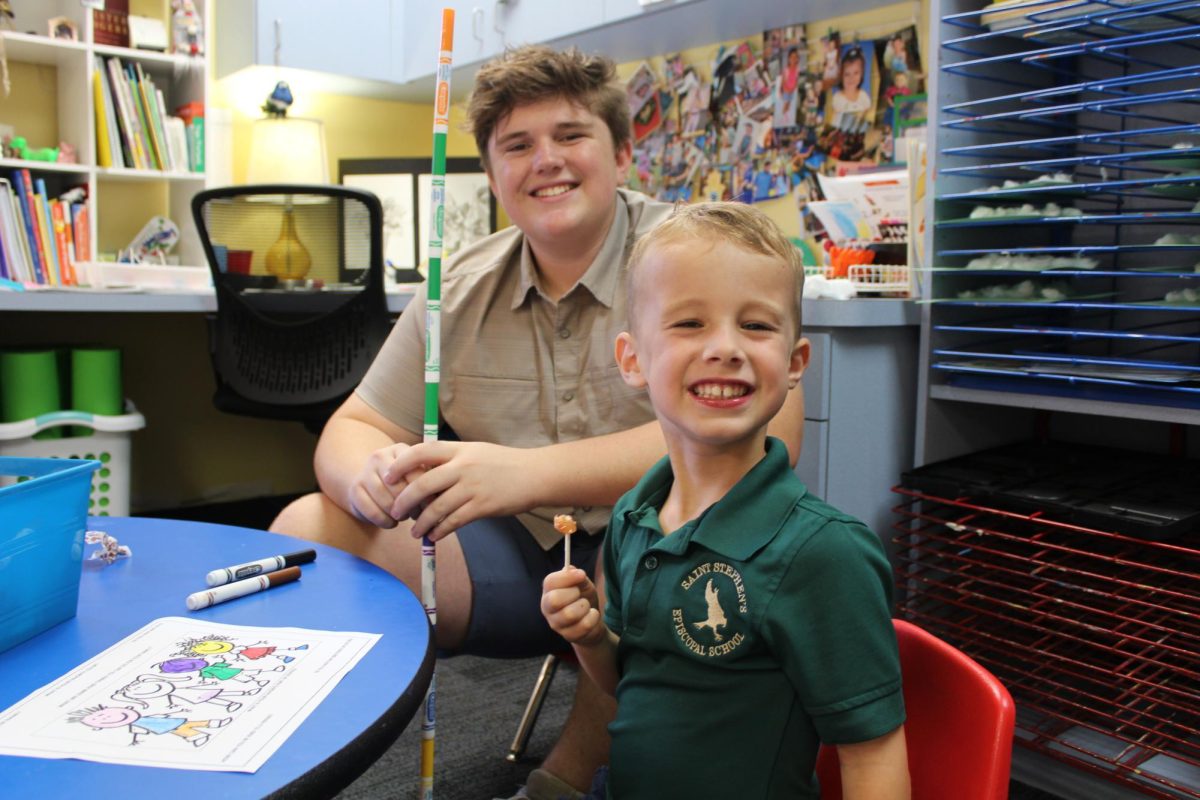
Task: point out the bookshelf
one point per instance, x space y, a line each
64 69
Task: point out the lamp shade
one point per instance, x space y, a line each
287 150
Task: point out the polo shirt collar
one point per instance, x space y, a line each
743 521
600 278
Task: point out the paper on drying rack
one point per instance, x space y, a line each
186 694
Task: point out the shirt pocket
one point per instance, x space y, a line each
502 410
616 406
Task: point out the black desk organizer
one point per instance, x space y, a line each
1107 92
1125 492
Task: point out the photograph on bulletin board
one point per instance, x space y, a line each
852 94
899 61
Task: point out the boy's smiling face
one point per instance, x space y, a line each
713 337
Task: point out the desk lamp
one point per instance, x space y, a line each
287 149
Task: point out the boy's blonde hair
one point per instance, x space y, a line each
534 73
737 223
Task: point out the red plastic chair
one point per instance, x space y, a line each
959 729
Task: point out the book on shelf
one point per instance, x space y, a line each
11 269
46 232
111 24
42 238
148 106
81 231
62 242
192 115
177 143
130 134
29 222
15 255
103 146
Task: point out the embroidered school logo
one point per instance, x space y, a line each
724 594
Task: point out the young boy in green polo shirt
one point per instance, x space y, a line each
746 621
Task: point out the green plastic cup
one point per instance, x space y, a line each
29 387
96 382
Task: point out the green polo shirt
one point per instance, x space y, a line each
748 637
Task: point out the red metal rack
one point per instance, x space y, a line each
1096 634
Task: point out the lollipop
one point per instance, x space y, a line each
565 524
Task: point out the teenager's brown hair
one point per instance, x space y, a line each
533 73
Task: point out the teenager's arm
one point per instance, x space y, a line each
876 769
355 448
466 481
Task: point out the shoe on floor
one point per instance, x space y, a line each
542 785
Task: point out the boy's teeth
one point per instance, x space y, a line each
722 390
552 191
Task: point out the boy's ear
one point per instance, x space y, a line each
627 360
799 361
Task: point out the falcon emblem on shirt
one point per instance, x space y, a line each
716 615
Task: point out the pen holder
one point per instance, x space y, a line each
109 444
43 516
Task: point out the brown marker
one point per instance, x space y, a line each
219 594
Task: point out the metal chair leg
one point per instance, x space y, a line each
532 709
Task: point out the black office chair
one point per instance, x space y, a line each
301 311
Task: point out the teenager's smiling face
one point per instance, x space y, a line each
713 339
553 166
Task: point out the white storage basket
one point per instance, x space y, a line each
108 444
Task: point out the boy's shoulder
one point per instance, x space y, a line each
818 527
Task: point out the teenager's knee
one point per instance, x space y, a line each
304 516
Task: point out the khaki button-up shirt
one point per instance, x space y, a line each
517 368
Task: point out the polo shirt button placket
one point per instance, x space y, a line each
564 333
650 563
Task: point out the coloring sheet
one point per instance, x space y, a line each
187 694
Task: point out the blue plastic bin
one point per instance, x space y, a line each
42 522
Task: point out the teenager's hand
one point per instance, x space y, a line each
460 483
371 494
569 604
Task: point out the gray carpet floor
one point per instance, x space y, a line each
479 703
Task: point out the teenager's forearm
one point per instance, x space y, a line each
595 471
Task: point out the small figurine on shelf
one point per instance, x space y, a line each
20 149
186 28
66 154
278 100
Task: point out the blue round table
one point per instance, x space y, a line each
347 732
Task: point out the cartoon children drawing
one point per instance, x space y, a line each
110 717
253 652
178 692
220 671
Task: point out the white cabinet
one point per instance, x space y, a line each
483 29
350 38
182 80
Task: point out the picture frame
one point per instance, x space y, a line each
403 186
62 28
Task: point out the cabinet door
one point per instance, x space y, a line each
352 37
483 30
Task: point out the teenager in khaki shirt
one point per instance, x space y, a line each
529 384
